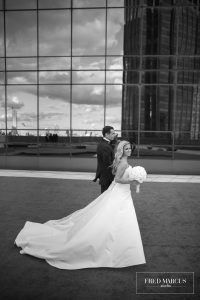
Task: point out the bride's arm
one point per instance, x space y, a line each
119 174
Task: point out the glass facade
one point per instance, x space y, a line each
70 67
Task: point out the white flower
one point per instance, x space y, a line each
137 173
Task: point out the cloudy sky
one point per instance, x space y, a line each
88 75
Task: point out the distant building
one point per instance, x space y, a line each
161 70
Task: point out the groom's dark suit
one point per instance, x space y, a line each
105 156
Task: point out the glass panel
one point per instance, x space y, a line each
158 63
187 110
22 142
131 63
115 31
22 107
159 31
2 64
54 63
88 77
189 77
187 145
2 78
21 4
130 108
54 107
1 4
54 77
21 63
157 108
89 3
116 3
21 40
54 32
114 106
89 32
54 3
157 77
90 63
189 63
114 77
155 144
132 30
21 77
130 77
188 36
1 34
113 63
2 108
87 107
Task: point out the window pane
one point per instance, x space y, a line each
157 144
88 77
54 3
130 108
54 63
2 107
188 36
132 30
157 108
114 106
2 64
21 40
115 31
189 77
114 63
21 77
131 77
159 31
89 3
22 107
21 63
114 77
54 33
21 4
54 77
54 107
89 32
116 3
2 78
158 77
88 106
158 63
1 34
187 110
90 63
189 63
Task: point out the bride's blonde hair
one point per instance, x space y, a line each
118 155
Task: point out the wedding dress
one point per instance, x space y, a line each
105 233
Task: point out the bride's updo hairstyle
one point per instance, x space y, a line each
118 155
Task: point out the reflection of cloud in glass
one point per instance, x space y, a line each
13 102
21 33
54 32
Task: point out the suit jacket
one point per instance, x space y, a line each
105 157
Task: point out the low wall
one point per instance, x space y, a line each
79 164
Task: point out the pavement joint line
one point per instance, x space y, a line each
90 176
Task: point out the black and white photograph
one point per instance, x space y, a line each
99 149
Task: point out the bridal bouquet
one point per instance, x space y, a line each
139 174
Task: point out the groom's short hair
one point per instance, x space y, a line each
107 129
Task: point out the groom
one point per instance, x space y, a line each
105 157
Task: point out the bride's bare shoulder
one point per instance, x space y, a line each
122 167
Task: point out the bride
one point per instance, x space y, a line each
105 233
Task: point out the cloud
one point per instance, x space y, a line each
13 102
